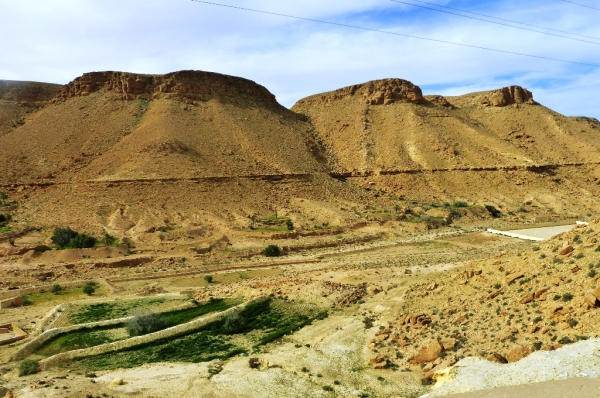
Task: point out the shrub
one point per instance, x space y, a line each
110 240
272 251
327 388
580 255
493 211
56 289
290 225
28 367
82 241
460 203
567 297
89 289
4 218
3 198
598 249
234 324
208 278
592 273
62 236
145 323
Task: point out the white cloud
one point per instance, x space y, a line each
58 40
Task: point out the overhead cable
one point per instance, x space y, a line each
395 33
581 5
505 20
496 23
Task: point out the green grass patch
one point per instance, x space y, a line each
84 338
104 311
258 324
178 317
6 228
66 294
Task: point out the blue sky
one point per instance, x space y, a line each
58 40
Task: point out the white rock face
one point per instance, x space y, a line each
581 359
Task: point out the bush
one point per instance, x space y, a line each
56 289
290 225
461 204
4 218
3 198
208 278
234 324
89 289
567 297
82 241
110 240
493 211
62 236
28 367
272 251
143 324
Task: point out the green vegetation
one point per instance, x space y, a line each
104 311
55 289
143 324
90 337
4 199
258 324
49 298
28 367
493 211
110 240
567 297
461 204
290 225
89 288
79 339
66 238
208 278
272 251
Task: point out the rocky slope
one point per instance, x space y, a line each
18 99
191 145
501 309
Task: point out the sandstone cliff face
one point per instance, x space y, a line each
508 96
377 92
187 86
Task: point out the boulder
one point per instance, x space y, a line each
591 300
596 293
428 353
117 382
495 357
517 353
566 250
514 276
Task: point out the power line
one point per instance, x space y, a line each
496 23
395 33
580 5
506 20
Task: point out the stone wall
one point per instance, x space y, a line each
12 302
171 332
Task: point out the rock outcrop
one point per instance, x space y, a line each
188 86
377 92
508 96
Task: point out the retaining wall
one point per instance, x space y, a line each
171 332
12 302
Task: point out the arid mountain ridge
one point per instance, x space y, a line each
217 146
